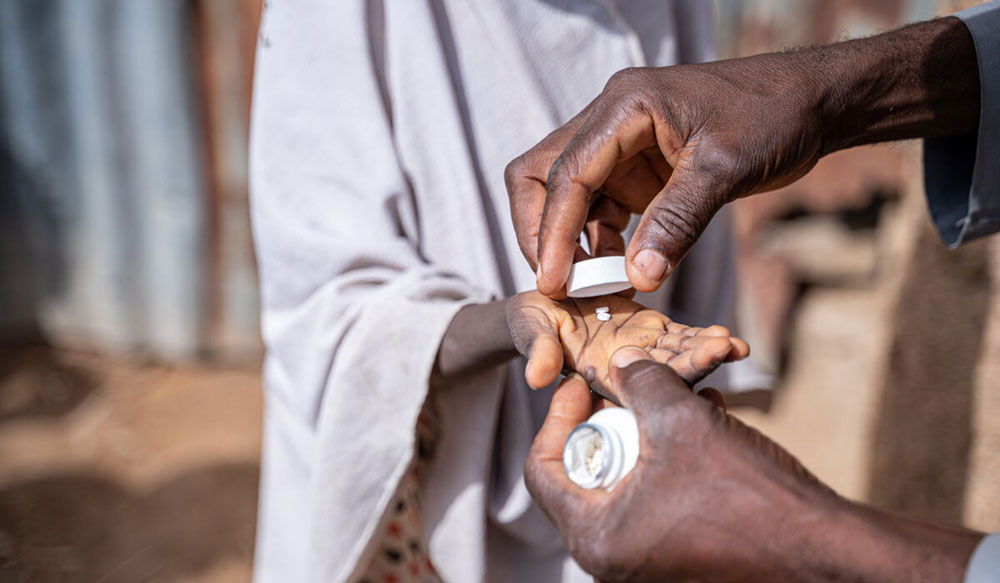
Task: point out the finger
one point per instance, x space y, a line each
604 240
671 224
739 351
697 362
677 328
544 472
627 294
526 178
580 253
715 330
527 199
605 223
643 385
527 194
685 342
610 134
601 403
713 396
571 405
545 360
636 181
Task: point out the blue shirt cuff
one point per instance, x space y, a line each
962 173
984 564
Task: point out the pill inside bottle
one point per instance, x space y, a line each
603 450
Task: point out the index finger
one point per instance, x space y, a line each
612 133
544 472
526 178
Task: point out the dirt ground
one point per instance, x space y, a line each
114 469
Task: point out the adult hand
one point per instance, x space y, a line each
673 142
712 499
677 143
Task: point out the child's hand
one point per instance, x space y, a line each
558 335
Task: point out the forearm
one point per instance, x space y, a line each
916 82
477 338
860 543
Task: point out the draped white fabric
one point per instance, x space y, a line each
380 134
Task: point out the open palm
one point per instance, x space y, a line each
566 334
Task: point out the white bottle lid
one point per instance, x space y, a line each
597 277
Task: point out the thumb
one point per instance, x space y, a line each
545 360
670 226
644 385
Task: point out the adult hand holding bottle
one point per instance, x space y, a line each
711 499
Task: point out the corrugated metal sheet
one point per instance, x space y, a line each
123 129
105 182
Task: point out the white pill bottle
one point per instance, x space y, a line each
603 450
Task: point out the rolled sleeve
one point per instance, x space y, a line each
961 173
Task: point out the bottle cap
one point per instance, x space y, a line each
597 277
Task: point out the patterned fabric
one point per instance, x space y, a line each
402 555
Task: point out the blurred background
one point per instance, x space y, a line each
130 399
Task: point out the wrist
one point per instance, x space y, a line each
919 81
477 338
858 542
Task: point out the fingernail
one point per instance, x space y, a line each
652 264
627 355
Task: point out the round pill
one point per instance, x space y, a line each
603 316
602 309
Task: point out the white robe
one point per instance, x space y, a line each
379 137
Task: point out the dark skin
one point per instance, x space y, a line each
558 336
678 143
714 500
711 499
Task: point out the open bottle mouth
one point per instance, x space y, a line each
587 455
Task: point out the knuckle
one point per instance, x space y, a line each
512 172
719 159
627 92
687 410
646 373
618 79
628 78
680 220
560 170
569 167
602 554
686 417
724 168
532 473
649 381
591 550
